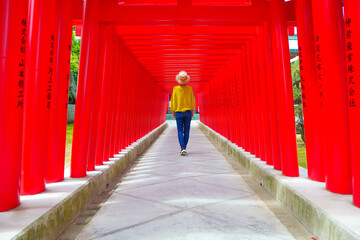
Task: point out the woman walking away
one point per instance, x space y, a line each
182 104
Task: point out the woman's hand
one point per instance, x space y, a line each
174 114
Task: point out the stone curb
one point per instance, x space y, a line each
315 216
56 219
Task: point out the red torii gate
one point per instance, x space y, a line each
236 53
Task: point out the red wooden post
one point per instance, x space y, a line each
291 31
258 76
86 81
13 23
94 121
310 93
247 104
219 115
285 101
124 91
109 120
275 137
124 126
330 49
53 136
114 97
253 96
263 95
241 100
58 112
104 98
213 100
226 104
120 102
196 101
236 103
352 36
40 74
251 104
132 105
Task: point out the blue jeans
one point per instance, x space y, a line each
183 120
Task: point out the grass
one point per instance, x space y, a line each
301 151
69 135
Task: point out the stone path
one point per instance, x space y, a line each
199 196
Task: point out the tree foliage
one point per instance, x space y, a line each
299 116
74 66
75 55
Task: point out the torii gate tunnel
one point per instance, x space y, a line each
236 52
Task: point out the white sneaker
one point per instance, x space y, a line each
183 152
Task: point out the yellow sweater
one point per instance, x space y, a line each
182 99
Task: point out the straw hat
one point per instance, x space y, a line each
182 77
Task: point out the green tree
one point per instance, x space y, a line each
295 73
74 66
75 55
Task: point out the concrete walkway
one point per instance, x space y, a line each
199 196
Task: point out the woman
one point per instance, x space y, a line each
182 104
